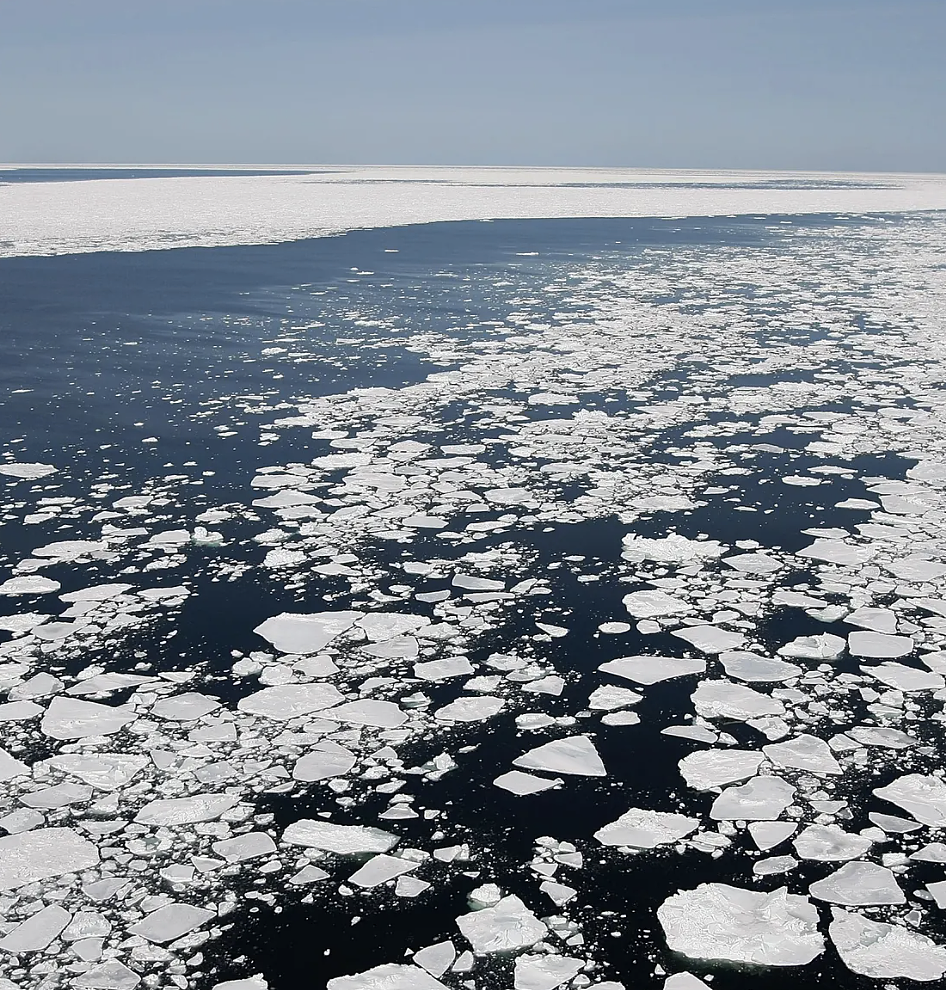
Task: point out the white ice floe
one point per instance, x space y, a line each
32 584
924 797
521 784
882 951
37 931
609 698
286 701
544 972
346 840
248 845
25 471
652 670
723 699
830 843
748 667
908 679
836 552
441 670
70 718
380 714
879 645
760 799
646 829
859 883
185 810
470 709
804 752
653 604
574 755
42 854
306 633
390 976
171 922
822 647
380 869
715 767
505 927
768 835
326 760
710 639
718 921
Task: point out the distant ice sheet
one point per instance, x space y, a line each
46 218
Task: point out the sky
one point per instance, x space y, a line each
792 84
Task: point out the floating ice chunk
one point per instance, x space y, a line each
645 829
390 976
804 752
86 924
621 718
608 698
42 854
870 735
544 972
382 626
105 771
574 755
672 549
753 563
653 604
723 699
768 835
907 679
469 582
291 632
407 886
250 983
874 644
441 670
553 684
184 707
836 552
19 711
684 981
379 869
761 799
716 767
185 810
436 959
614 628
470 709
171 922
508 496
695 732
58 796
823 647
652 670
326 760
507 926
710 639
521 784
773 865
937 891
107 683
893 824
24 471
287 701
32 584
70 718
110 975
37 931
308 874
932 852
717 921
380 714
829 843
749 667
923 797
916 568
11 767
882 951
249 845
558 893
880 620
346 840
859 883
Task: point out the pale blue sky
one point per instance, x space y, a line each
835 84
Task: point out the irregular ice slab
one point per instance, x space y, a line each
710 639
10 766
292 632
521 784
652 670
250 983
186 810
761 799
830 843
507 926
608 698
923 797
32 584
37 931
903 678
804 752
882 951
70 718
346 840
27 471
106 771
823 647
717 921
916 568
716 767
767 835
652 604
248 845
753 563
171 922
723 699
672 549
43 853
859 883
379 869
684 981
436 959
871 735
545 972
184 707
835 552
470 709
575 755
645 829
390 976
749 667
381 714
326 760
110 975
879 645
286 701
441 670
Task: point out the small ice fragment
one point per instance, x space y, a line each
248 845
653 604
436 959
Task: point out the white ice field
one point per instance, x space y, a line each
133 831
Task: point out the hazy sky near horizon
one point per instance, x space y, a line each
810 84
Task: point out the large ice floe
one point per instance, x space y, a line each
568 618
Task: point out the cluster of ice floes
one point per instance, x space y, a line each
790 684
